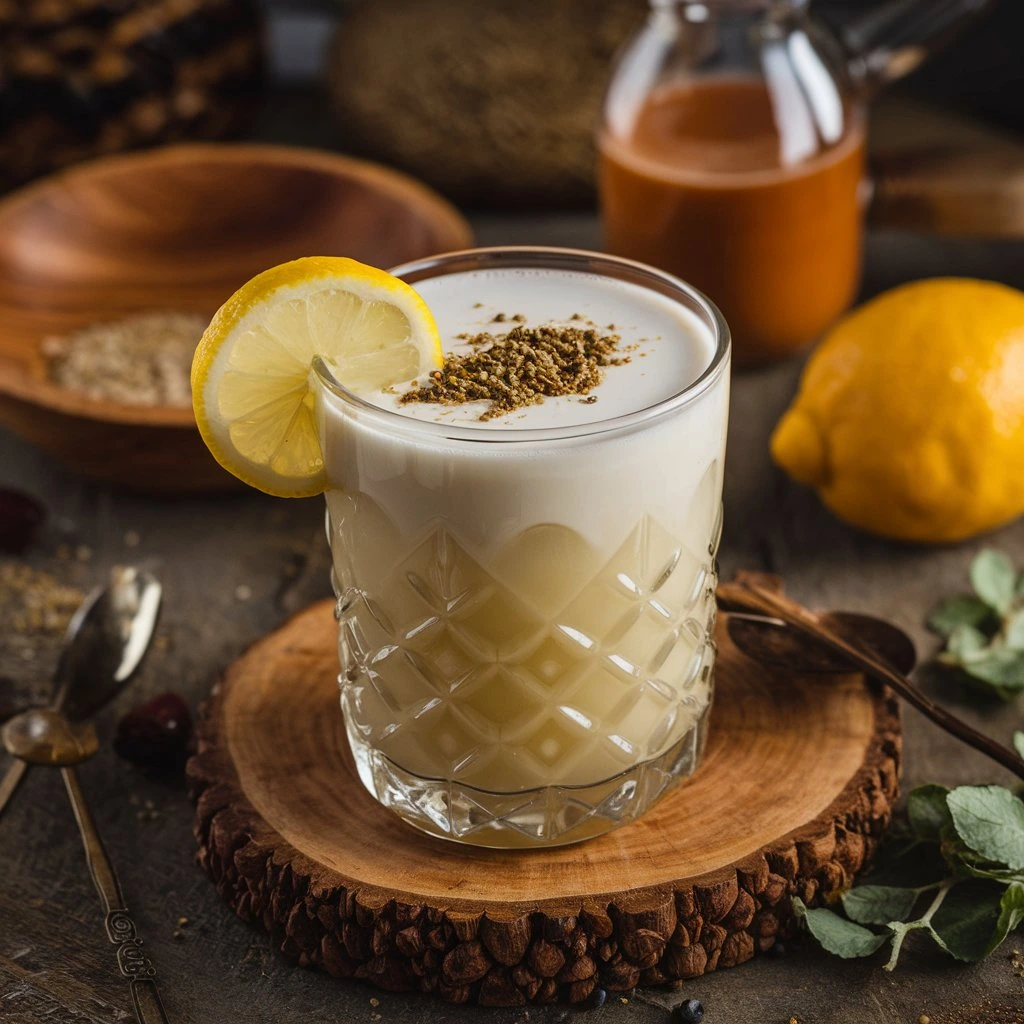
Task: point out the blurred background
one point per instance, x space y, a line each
493 104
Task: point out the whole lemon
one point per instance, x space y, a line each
910 416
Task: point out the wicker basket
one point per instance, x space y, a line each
83 77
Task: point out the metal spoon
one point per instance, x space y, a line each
46 737
104 643
772 642
748 595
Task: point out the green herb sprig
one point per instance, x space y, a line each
957 876
984 632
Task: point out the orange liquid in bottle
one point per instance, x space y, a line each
700 189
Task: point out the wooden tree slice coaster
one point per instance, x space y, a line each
796 787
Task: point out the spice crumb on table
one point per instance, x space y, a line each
1017 963
35 609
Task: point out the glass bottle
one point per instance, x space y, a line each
732 153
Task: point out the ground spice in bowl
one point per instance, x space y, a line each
143 359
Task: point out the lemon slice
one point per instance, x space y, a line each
252 386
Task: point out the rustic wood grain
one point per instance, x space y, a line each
945 191
293 842
178 228
945 174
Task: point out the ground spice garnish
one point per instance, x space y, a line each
143 359
522 368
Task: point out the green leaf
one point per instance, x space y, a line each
1011 913
965 862
994 579
1018 742
1000 668
879 904
974 868
928 812
836 934
990 821
966 640
966 924
1013 631
958 611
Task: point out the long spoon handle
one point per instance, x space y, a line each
755 597
17 770
10 782
134 964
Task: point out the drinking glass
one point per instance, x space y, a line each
526 615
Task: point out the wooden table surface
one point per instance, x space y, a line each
55 961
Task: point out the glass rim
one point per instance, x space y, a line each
551 257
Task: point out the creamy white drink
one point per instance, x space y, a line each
526 601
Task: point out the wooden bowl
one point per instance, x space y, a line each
178 228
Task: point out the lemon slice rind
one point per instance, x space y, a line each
253 386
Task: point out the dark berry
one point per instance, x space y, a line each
597 999
776 949
20 515
690 1012
155 735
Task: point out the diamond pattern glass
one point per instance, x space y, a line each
503 706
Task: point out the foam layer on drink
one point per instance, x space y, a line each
593 482
667 346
